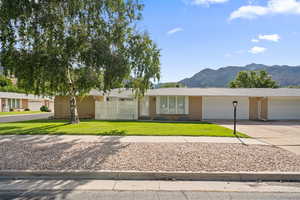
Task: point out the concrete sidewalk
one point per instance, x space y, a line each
130 139
112 185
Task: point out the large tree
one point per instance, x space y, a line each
68 47
171 85
253 79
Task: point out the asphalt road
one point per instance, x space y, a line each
143 195
16 118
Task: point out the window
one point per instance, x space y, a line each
9 103
180 105
172 105
14 103
163 106
18 103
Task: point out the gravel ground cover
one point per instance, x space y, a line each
51 155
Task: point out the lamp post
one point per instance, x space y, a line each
234 103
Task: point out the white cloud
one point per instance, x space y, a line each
175 30
272 7
257 50
273 37
255 40
207 2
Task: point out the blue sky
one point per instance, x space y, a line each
196 34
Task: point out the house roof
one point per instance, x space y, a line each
120 93
12 95
247 92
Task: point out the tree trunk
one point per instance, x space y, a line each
74 118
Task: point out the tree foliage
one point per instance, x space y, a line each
171 85
7 85
4 81
68 47
253 79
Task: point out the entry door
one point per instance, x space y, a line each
259 110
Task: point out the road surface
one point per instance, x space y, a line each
22 189
25 117
144 195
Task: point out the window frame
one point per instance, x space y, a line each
186 105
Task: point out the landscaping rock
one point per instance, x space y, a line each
54 155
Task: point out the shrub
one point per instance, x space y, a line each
26 109
11 88
4 81
44 109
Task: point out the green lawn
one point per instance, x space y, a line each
93 127
19 113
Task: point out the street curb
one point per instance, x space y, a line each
150 175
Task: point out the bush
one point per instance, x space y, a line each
44 109
4 81
26 109
11 88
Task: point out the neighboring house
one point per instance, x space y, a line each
188 104
16 101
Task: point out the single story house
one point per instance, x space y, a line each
17 101
187 104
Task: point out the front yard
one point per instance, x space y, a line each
93 127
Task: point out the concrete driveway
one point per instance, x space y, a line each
25 117
285 134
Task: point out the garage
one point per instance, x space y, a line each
222 108
284 108
34 105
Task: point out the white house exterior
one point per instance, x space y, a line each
193 104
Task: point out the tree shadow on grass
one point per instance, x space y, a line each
54 153
19 130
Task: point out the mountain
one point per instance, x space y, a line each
284 75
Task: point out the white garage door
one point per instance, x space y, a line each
284 108
34 105
222 108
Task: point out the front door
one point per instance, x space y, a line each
259 110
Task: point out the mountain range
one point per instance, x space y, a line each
284 75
